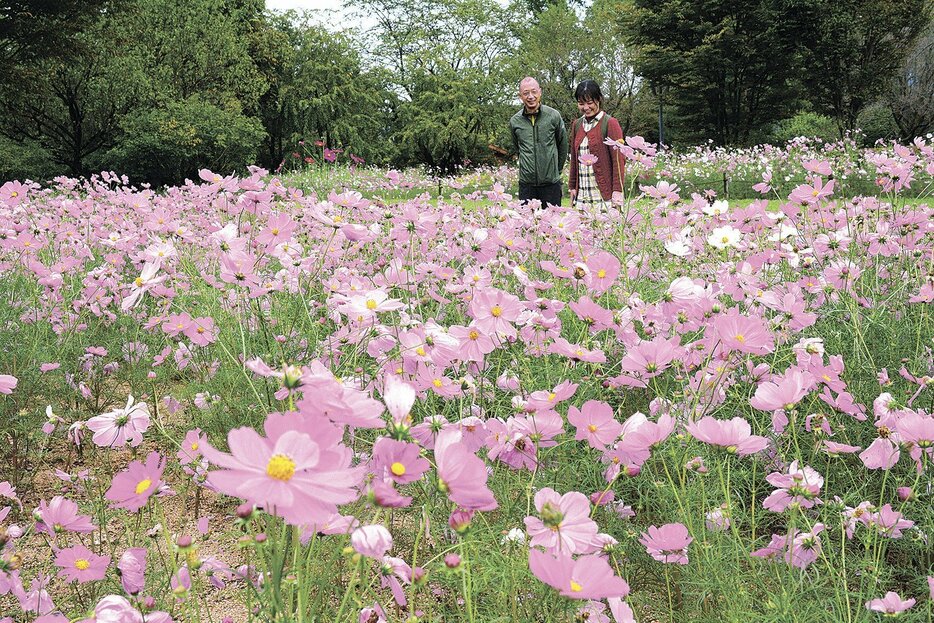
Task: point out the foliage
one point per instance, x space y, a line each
852 49
166 145
805 123
912 95
876 122
726 67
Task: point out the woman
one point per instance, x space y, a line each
597 170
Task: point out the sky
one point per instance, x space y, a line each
331 10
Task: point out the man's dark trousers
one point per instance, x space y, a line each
547 193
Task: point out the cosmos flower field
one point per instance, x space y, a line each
337 396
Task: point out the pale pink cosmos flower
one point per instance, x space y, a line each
116 428
734 435
565 525
132 567
494 311
131 488
461 474
743 333
398 461
79 564
889 522
595 423
891 604
61 515
300 472
7 383
372 541
588 577
668 543
798 487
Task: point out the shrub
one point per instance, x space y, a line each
166 145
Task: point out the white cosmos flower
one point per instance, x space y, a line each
723 237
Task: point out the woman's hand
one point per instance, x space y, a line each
573 195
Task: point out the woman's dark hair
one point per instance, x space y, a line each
588 90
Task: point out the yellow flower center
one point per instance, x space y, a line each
592 428
474 334
601 273
142 485
420 351
476 278
814 194
740 338
139 282
397 468
81 564
275 231
280 467
497 311
436 383
194 446
725 239
552 396
575 587
370 304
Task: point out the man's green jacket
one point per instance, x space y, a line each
541 140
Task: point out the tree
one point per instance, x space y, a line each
911 98
448 60
34 30
74 106
728 66
852 49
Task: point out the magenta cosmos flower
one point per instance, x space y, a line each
79 564
131 488
668 543
588 577
735 435
301 472
116 428
890 604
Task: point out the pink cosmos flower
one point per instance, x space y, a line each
131 488
889 522
602 270
61 515
79 564
883 453
190 449
734 435
743 333
785 394
398 460
668 543
371 541
588 577
300 472
278 229
474 343
115 428
798 549
595 423
114 609
565 525
798 488
648 359
891 604
931 585
201 331
461 474
587 160
7 383
132 567
494 311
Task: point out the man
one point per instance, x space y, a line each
541 141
